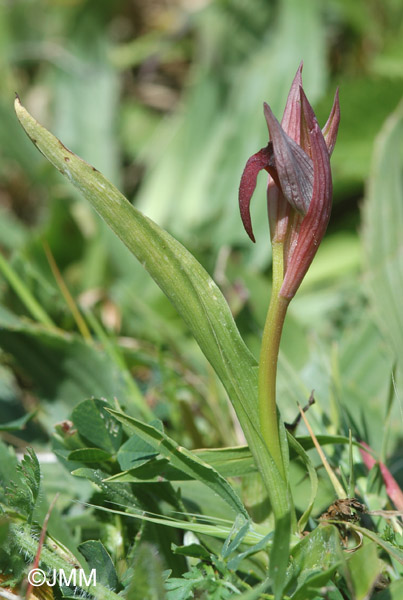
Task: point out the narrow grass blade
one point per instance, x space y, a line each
77 316
338 488
24 294
218 530
298 449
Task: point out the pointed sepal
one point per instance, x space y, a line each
313 226
332 124
294 167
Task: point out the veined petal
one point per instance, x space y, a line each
293 165
332 124
291 121
313 226
261 160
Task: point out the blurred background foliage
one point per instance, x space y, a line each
165 98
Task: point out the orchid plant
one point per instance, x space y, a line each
299 198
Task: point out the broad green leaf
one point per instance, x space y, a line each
184 460
238 460
306 441
383 230
316 558
98 558
135 451
229 462
192 550
191 290
94 423
364 566
94 455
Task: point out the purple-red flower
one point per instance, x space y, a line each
299 192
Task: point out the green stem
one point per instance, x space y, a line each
268 360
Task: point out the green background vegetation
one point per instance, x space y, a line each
165 99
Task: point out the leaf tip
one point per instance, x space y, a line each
18 107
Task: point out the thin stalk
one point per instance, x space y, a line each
24 294
338 488
71 303
269 358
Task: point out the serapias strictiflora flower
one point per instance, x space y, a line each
299 192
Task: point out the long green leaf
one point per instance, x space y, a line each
177 272
195 296
234 461
183 460
24 293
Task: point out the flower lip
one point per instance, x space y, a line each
255 164
291 120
